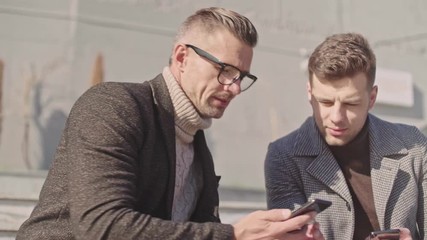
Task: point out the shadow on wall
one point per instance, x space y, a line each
50 137
50 132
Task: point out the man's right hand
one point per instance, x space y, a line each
276 224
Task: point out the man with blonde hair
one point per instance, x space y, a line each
133 161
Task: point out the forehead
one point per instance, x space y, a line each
343 87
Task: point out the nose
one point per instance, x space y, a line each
337 113
234 88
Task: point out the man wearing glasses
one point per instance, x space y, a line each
133 161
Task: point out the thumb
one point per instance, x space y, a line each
277 215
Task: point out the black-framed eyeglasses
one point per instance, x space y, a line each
228 74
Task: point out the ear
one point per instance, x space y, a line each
373 96
308 85
179 56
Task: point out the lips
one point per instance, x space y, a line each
336 132
222 102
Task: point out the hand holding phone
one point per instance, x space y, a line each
317 205
389 234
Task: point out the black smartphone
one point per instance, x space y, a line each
316 204
388 234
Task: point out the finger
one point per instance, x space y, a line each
316 226
292 224
276 215
296 234
318 235
299 235
313 231
405 234
287 214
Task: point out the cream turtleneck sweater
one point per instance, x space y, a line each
187 123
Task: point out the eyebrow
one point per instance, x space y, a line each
350 99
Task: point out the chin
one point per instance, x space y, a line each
331 141
217 116
214 113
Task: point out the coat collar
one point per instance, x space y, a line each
162 97
383 139
165 113
386 148
165 110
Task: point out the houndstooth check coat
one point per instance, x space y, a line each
300 166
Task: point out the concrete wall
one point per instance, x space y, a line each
49 48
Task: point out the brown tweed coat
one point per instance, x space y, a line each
114 171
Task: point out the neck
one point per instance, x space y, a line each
187 120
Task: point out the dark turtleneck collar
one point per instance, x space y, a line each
357 149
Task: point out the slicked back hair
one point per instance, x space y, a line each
214 18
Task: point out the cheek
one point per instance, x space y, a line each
357 114
320 112
357 118
204 87
352 117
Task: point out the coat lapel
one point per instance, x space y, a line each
323 166
165 112
385 149
207 206
325 169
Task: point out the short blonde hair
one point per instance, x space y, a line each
213 18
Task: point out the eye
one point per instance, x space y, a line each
326 103
230 72
352 104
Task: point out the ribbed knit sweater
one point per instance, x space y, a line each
187 122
